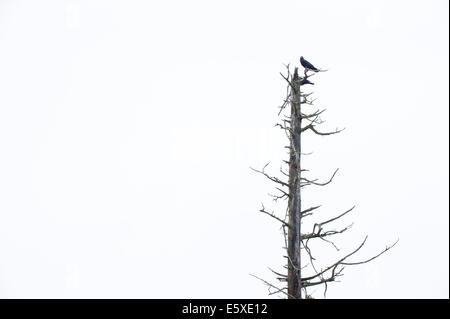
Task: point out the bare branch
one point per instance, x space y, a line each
290 84
272 178
370 259
272 286
308 211
335 272
333 266
337 217
321 235
263 210
313 182
332 243
282 277
323 281
325 133
316 113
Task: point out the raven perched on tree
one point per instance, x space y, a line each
305 81
307 65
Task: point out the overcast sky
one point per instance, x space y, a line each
127 129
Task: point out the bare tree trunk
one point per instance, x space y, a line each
294 232
298 281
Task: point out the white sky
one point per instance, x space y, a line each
127 129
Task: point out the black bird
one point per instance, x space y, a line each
307 65
304 81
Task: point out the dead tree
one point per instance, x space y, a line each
302 275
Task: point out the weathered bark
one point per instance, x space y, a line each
294 232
